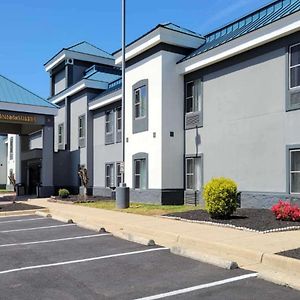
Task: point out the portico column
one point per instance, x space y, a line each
47 188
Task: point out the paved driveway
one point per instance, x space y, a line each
44 259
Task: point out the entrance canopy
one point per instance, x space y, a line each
32 118
21 111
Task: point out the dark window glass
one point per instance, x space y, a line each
295 55
295 76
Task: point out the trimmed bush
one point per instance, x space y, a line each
285 211
220 196
63 193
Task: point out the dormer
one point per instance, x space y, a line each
166 35
69 65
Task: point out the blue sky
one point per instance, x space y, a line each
32 31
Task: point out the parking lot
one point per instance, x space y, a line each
41 258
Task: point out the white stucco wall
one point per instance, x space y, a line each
149 68
3 160
14 163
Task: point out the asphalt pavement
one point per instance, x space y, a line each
41 258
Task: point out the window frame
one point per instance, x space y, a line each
141 123
292 172
109 114
60 134
110 176
119 118
291 67
193 157
141 102
118 174
142 156
194 118
11 148
81 129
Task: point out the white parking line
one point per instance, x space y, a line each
22 220
80 260
56 240
36 228
199 287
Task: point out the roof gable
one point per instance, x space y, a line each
87 48
11 92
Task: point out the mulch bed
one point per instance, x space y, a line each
76 199
294 253
259 220
17 206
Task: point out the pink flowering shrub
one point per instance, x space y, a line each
284 211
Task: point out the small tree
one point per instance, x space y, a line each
84 179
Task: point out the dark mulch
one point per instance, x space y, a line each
256 219
294 253
17 206
77 199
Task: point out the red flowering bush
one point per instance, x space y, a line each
284 211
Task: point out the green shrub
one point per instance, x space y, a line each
63 193
220 196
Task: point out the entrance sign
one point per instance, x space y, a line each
18 118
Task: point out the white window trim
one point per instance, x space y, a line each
81 128
108 121
118 109
140 103
195 96
139 175
292 172
291 67
61 125
186 173
111 177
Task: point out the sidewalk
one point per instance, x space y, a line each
217 245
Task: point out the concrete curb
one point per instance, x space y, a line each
281 270
178 245
22 212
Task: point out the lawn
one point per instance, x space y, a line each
3 191
141 208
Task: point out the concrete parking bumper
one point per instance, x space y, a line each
224 247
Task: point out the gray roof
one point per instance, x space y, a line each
87 48
251 22
84 48
11 92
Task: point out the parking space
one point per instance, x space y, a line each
41 258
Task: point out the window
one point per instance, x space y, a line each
119 118
60 134
109 175
108 122
295 171
294 66
81 131
118 174
140 174
118 124
140 102
193 104
193 173
293 87
11 148
109 127
193 96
